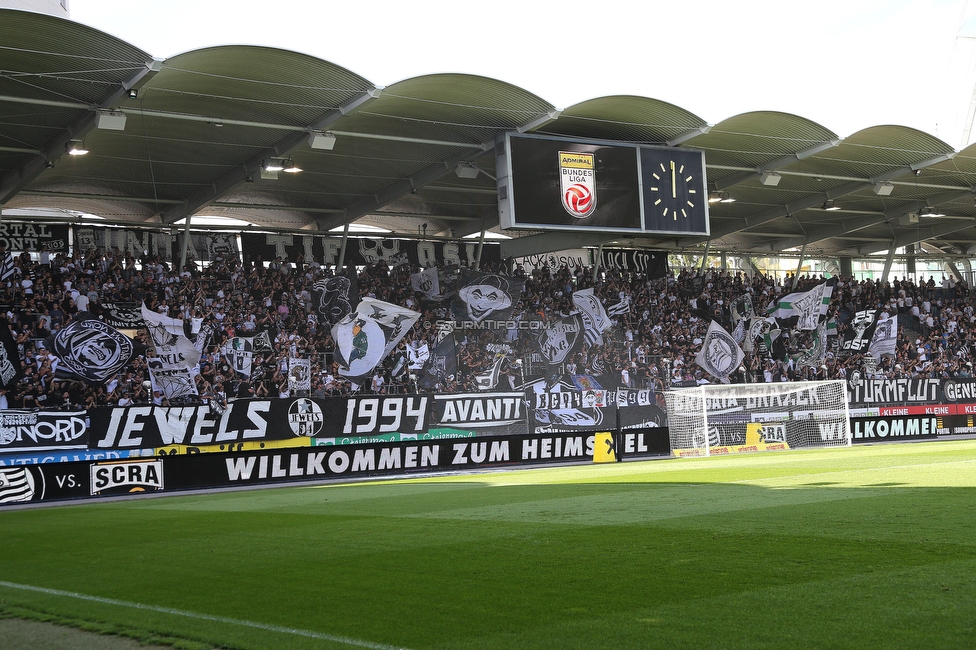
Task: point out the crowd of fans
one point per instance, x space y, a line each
652 345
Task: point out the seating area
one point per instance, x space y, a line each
652 345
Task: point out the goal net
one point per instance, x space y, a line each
732 418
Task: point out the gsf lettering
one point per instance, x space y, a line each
385 415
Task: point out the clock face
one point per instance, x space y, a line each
676 198
674 190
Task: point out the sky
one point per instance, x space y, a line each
845 64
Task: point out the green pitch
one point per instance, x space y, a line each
868 547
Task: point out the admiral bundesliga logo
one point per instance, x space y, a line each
577 183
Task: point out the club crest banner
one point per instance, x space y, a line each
720 354
426 282
89 350
560 338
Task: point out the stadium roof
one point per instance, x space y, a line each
199 126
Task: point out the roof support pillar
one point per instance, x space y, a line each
889 261
799 265
481 245
596 262
185 244
704 260
342 248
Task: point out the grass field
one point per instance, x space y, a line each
868 547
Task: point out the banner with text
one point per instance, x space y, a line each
362 251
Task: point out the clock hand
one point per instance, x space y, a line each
674 186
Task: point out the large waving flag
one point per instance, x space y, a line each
804 310
485 296
336 297
89 350
172 346
885 338
720 354
10 368
595 318
442 362
426 282
366 336
6 265
742 309
818 351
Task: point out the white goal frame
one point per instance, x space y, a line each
731 418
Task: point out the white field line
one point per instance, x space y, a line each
204 617
845 471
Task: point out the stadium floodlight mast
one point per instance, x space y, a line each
727 418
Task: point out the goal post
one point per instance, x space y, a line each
732 418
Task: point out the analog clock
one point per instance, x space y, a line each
674 190
676 195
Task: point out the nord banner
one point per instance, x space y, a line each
39 431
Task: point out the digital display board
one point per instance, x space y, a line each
550 183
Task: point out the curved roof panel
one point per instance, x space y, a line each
627 118
200 126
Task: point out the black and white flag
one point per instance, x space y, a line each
6 265
89 350
620 308
426 282
885 338
16 485
10 369
202 339
171 382
173 348
860 331
366 336
299 374
122 315
442 361
720 354
560 339
488 380
336 297
596 321
239 352
417 354
742 309
483 297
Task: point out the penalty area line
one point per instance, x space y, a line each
203 617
